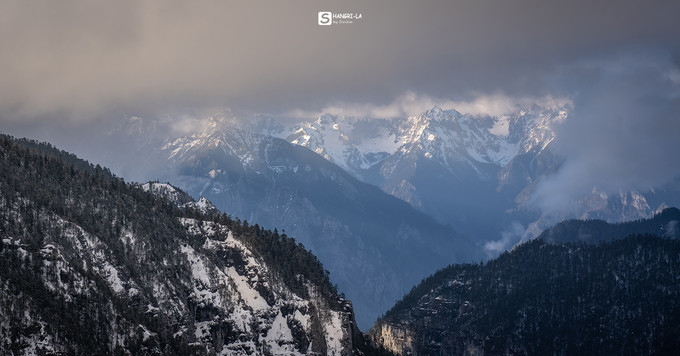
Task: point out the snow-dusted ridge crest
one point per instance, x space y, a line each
177 196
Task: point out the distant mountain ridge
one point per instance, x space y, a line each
665 223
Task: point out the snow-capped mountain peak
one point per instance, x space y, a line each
448 136
326 120
438 114
444 136
339 140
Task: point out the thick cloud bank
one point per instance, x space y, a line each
623 133
84 60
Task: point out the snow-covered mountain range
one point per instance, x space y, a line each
468 170
446 136
475 175
459 168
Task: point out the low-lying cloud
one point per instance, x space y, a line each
509 237
411 104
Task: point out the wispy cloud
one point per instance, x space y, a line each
411 104
509 237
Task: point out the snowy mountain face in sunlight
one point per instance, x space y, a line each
442 135
353 144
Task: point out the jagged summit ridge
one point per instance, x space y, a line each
341 141
443 135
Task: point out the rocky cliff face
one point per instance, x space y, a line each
93 265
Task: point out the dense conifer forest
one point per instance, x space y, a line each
619 297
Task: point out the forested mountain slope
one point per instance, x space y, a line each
620 297
90 264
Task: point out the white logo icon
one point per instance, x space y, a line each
325 18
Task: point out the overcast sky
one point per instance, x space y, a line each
82 59
66 64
